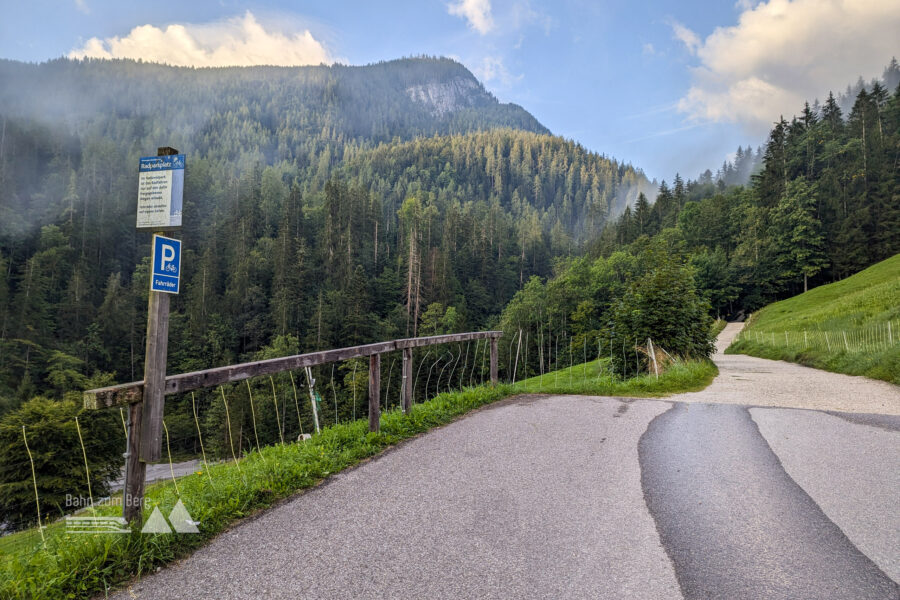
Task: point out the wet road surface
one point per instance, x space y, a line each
733 521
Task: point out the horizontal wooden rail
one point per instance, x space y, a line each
131 393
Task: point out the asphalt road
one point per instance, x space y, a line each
579 497
160 471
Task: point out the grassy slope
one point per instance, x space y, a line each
81 566
859 307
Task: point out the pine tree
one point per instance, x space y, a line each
642 214
771 181
664 206
678 191
799 233
831 115
809 120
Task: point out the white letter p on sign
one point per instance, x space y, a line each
168 255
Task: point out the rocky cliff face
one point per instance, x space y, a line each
442 98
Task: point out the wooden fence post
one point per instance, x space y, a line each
374 392
493 360
135 468
407 385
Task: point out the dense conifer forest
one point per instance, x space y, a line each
823 203
334 205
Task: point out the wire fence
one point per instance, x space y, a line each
877 337
223 424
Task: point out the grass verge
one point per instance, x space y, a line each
717 327
593 379
83 566
876 364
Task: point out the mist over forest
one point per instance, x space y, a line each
293 225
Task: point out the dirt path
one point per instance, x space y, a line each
754 381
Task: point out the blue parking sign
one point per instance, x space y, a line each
166 274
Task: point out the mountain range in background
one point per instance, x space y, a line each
313 118
335 204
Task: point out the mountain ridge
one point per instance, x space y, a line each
382 100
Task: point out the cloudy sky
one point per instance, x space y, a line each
669 87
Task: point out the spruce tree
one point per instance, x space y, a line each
799 233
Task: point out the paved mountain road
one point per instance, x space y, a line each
718 494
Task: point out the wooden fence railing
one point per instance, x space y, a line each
132 394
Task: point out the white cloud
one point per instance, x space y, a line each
476 12
687 37
240 41
784 52
82 6
523 14
648 49
492 69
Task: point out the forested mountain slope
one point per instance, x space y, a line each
102 114
554 185
378 102
337 205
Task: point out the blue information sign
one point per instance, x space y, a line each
160 191
166 274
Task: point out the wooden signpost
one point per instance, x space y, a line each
145 417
